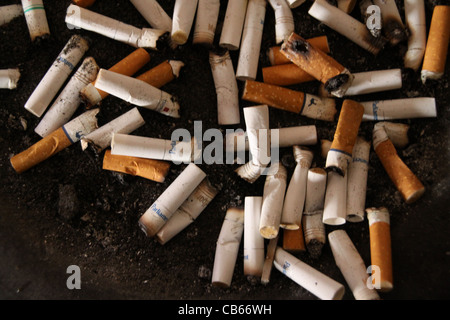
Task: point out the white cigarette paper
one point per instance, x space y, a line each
358 170
69 99
36 18
188 212
273 198
288 137
315 189
284 20
316 282
351 265
233 23
153 148
253 241
101 138
9 13
137 92
294 200
295 3
374 81
154 14
78 17
227 247
257 128
406 108
417 28
182 20
346 25
397 132
248 60
206 22
171 199
9 78
228 111
268 262
335 208
81 126
58 73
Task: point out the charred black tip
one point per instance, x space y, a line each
336 82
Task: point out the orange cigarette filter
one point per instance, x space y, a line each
347 127
84 3
159 75
437 44
318 64
285 75
277 58
380 247
274 96
127 66
155 170
40 151
293 240
403 178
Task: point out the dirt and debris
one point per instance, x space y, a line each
38 241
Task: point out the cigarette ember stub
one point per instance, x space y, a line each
103 182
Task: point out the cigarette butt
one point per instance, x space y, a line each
36 19
380 248
155 170
84 3
268 262
9 13
249 171
437 44
171 199
285 75
403 178
314 232
335 208
155 15
53 143
233 23
345 136
290 100
351 265
295 3
293 240
319 284
415 19
336 78
325 146
397 132
405 108
346 5
182 20
9 78
253 241
276 57
127 66
227 247
284 20
393 26
206 22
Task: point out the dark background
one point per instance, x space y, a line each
117 261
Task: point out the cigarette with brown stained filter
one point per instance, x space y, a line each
189 211
406 182
340 153
84 3
9 13
285 75
36 19
393 27
290 100
336 78
155 170
437 44
58 140
380 247
346 25
276 57
227 247
294 240
127 66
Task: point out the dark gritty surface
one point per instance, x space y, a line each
38 243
